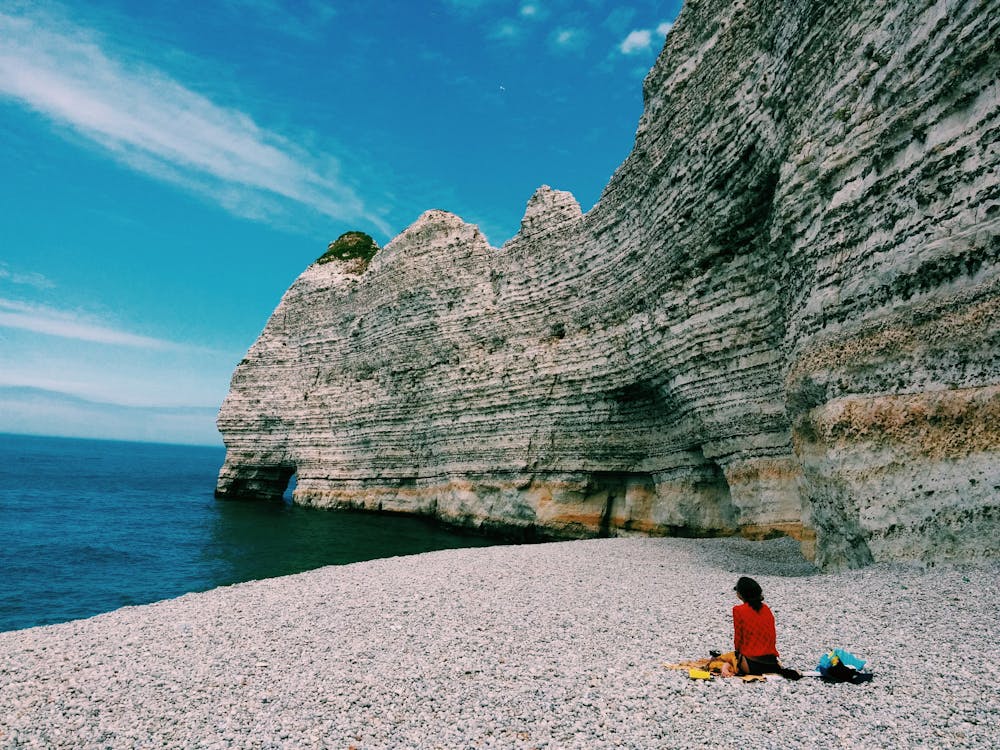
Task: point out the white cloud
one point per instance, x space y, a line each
641 40
52 322
638 40
529 10
156 125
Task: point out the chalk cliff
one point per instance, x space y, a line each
782 316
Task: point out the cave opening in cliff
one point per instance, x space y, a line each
609 504
259 481
717 514
620 495
289 491
274 483
697 498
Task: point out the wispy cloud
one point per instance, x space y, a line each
529 16
69 325
32 279
568 39
619 19
114 366
506 31
156 125
31 410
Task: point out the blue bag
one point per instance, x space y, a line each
838 655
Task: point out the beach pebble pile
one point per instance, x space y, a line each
557 645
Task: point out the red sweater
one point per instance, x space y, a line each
753 632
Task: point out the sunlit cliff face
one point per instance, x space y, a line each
780 318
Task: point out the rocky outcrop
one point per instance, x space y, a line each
781 316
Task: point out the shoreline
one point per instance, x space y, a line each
544 645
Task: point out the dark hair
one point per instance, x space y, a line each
750 591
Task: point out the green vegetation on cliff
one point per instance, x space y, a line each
348 246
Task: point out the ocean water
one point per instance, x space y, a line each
87 526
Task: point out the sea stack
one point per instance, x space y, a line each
782 316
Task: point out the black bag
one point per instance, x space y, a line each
840 672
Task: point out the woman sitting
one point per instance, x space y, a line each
754 634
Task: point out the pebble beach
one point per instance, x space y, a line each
558 645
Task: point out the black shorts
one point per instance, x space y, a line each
760 664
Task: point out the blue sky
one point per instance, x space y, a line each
169 168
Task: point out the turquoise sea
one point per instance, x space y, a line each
88 526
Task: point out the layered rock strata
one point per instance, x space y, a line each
781 316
